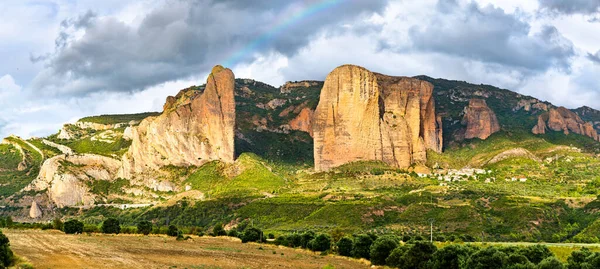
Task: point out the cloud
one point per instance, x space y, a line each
570 7
490 35
594 57
182 38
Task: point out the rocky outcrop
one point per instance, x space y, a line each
62 148
35 211
303 122
540 127
194 128
563 120
530 104
480 120
514 153
64 177
363 115
289 86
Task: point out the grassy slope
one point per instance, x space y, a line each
11 179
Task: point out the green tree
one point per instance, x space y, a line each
144 227
381 249
487 258
73 227
252 234
451 257
306 237
552 263
344 246
578 258
111 226
57 224
396 257
320 243
536 253
9 222
362 246
294 240
218 230
418 255
518 261
6 255
233 233
172 230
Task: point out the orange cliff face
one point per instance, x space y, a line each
194 128
563 120
480 120
363 115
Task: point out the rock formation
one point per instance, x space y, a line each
368 116
563 120
480 120
35 211
194 128
303 122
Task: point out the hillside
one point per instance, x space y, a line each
512 186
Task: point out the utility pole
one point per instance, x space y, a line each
431 221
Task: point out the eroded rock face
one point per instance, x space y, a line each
35 211
480 120
563 120
303 122
368 116
64 177
193 129
540 127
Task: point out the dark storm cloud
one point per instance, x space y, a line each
586 7
490 35
178 40
594 57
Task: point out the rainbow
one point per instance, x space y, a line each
309 9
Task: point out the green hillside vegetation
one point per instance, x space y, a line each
118 118
11 179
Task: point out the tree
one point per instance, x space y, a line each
451 257
487 258
345 246
320 243
396 257
233 233
172 230
73 227
252 234
306 237
111 226
536 253
381 249
218 230
57 224
6 255
418 255
362 246
518 261
9 222
144 227
294 240
578 258
552 263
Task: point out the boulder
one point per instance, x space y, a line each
363 115
480 120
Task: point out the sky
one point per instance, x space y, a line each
66 59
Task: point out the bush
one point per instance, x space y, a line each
320 243
6 255
144 227
218 230
518 261
416 255
486 258
552 263
305 238
57 224
396 257
281 240
451 257
271 236
362 246
233 233
536 253
344 246
172 231
381 249
294 240
73 227
111 226
252 234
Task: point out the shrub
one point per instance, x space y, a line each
305 238
6 255
344 246
57 224
486 258
111 226
233 233
320 243
281 241
172 231
518 261
218 230
144 227
362 246
73 227
252 234
271 236
536 253
577 258
381 249
396 257
294 240
552 263
451 257
417 255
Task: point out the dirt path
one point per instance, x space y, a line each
53 249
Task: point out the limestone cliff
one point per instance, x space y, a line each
363 115
563 120
540 127
194 128
303 122
480 120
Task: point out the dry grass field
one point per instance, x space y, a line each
54 249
